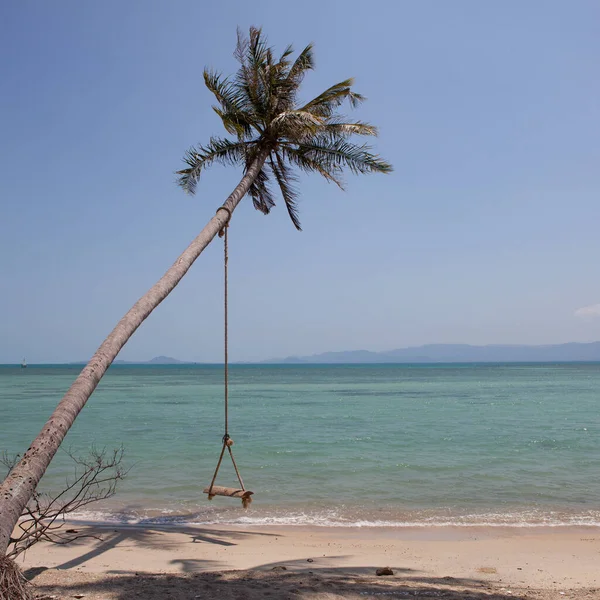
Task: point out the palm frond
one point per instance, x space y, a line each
222 89
233 110
296 124
343 154
286 179
286 79
304 62
257 50
247 79
332 173
241 47
234 123
258 59
291 84
283 59
262 197
217 150
324 104
341 129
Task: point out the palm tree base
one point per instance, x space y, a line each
13 585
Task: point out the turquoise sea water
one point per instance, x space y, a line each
334 445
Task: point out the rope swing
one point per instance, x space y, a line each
215 490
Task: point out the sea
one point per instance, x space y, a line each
389 445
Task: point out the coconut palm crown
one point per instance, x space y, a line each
259 106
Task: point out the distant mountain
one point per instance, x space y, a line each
164 360
440 353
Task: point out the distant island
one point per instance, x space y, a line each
431 353
157 360
453 353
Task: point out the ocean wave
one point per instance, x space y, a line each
333 518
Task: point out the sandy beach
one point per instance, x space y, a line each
319 563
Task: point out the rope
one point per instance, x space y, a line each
226 344
216 471
227 441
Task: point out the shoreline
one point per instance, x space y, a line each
545 559
340 517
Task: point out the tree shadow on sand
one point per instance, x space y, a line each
294 583
308 578
151 536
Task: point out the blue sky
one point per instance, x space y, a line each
486 232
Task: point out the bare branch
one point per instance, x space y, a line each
95 477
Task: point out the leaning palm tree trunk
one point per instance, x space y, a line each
18 487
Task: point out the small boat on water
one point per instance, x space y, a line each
24 364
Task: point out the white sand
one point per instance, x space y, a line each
332 562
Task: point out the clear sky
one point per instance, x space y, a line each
488 231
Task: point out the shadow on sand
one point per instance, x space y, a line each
313 584
150 536
302 579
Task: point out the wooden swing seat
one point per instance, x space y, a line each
218 490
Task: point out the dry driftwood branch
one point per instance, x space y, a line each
95 477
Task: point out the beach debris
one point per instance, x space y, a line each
72 531
79 596
279 568
310 560
385 571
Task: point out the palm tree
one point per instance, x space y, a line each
275 134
